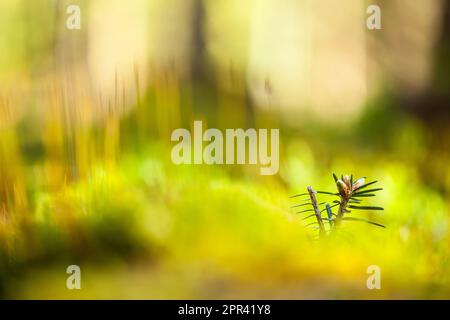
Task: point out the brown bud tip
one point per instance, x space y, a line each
347 181
342 188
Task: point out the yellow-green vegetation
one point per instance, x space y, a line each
105 195
86 176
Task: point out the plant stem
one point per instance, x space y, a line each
312 195
341 211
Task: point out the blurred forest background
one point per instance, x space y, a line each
85 170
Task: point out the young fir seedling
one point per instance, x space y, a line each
351 194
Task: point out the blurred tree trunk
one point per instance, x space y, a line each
434 104
70 45
71 82
202 75
198 57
